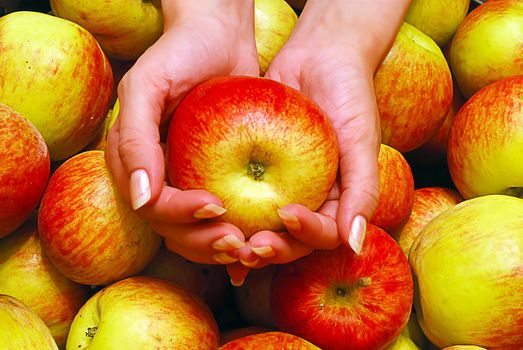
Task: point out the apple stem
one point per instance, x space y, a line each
91 332
256 170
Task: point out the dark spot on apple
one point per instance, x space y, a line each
341 292
91 332
364 281
256 170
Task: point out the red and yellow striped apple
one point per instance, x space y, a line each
57 77
235 333
27 274
269 341
25 169
339 300
485 144
468 269
144 313
88 231
255 143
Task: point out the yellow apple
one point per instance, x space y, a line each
402 342
99 141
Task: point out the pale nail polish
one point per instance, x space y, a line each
228 242
140 190
289 220
250 263
264 252
224 258
237 283
357 234
209 211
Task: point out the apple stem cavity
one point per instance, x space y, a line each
91 332
256 170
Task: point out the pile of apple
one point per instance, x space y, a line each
442 264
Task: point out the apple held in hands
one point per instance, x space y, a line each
88 231
144 313
269 341
25 169
339 300
255 143
468 264
485 147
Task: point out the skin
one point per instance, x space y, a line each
333 69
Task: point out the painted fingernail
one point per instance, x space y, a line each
250 263
289 220
237 283
140 188
224 258
357 234
209 211
228 242
264 252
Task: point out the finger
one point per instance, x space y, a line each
277 247
237 272
312 229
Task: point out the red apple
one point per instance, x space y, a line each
396 186
413 90
27 274
210 282
236 333
255 143
339 300
24 172
428 203
88 231
485 147
269 341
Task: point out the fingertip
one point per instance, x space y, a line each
237 272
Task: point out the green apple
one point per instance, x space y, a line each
438 19
487 45
57 77
21 328
143 313
124 28
402 342
467 263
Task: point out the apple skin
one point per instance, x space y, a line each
124 29
269 341
57 77
396 188
273 23
402 342
28 275
428 203
88 231
486 141
209 282
144 313
236 333
25 169
464 347
255 143
100 140
467 267
339 300
487 45
22 328
438 19
413 88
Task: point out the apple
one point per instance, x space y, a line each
269 341
485 144
339 300
87 230
28 275
57 77
487 45
252 299
22 328
396 187
255 143
438 19
143 313
413 88
236 333
25 169
100 139
124 29
209 282
467 268
428 203
273 23
402 342
464 347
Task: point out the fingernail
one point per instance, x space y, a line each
264 252
250 263
209 211
140 188
237 283
224 258
289 220
228 242
357 234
